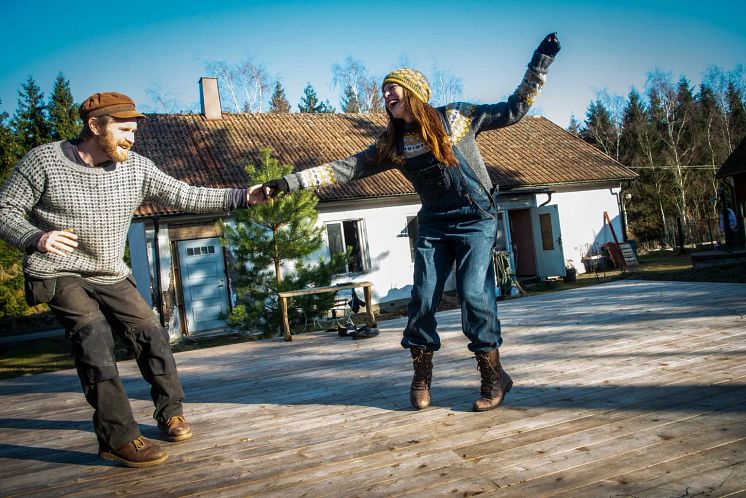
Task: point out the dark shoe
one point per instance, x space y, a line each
138 453
496 382
176 429
419 392
364 332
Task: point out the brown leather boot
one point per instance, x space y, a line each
419 392
496 382
176 429
138 453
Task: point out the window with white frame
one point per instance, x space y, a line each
348 234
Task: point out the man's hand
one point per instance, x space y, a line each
550 45
58 242
274 187
255 195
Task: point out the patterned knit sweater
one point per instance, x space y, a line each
49 192
464 121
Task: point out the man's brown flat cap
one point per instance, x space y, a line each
112 104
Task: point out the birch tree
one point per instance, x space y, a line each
244 86
446 86
359 88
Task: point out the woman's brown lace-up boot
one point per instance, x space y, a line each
496 382
419 392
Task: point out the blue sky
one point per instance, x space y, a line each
132 46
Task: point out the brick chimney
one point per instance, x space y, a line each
209 98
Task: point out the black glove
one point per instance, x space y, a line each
549 45
274 187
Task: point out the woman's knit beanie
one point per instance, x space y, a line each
412 80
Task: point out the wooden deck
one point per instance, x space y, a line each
621 389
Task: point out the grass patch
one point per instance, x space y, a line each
42 320
34 357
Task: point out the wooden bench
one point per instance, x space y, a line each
284 296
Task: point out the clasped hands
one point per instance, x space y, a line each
262 193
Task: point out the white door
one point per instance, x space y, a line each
550 259
203 283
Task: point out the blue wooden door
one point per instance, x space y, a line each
203 283
550 258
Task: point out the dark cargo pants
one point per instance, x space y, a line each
89 312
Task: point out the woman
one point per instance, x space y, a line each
436 150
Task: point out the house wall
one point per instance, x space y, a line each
391 265
582 220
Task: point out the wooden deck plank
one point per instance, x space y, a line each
708 472
635 454
340 437
600 373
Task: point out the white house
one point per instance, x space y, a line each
555 189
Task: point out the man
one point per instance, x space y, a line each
68 206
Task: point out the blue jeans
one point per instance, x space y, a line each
464 235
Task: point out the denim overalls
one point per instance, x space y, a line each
457 223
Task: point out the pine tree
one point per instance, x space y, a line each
349 102
29 123
574 126
9 150
310 102
266 236
376 99
279 102
64 119
710 148
12 301
737 115
598 129
634 122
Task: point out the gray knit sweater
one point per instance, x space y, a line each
49 192
464 122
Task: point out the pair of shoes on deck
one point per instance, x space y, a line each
142 452
363 332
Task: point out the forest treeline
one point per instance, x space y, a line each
675 136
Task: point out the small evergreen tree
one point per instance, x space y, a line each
12 302
279 102
376 99
266 236
574 126
737 115
9 150
310 102
349 102
64 119
29 123
598 129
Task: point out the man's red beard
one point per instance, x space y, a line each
108 144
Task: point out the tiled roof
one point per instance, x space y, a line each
535 152
736 162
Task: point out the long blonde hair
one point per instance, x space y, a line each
430 127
